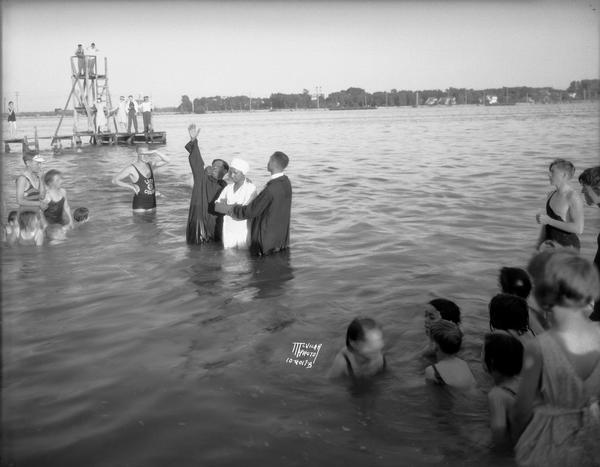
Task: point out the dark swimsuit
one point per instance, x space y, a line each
559 236
438 378
54 212
351 370
145 198
11 116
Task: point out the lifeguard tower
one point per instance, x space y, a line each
89 82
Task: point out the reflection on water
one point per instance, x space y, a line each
126 346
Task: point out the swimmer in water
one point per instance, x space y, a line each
449 370
31 231
139 178
10 233
362 357
563 220
436 309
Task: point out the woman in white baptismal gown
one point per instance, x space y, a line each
241 191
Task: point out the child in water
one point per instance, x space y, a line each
510 314
30 229
449 369
362 357
57 213
436 309
516 281
10 232
502 358
81 215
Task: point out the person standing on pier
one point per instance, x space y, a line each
270 211
101 121
204 223
139 178
132 110
147 108
121 111
12 119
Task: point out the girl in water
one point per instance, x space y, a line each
362 357
502 359
31 231
557 413
563 219
57 212
510 314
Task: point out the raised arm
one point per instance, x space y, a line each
529 386
196 161
121 179
164 160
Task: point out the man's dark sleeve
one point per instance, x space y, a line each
196 161
256 207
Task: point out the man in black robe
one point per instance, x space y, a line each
269 211
204 223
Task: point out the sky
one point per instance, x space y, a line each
171 48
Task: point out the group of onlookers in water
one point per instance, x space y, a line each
44 212
543 349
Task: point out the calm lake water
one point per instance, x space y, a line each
125 347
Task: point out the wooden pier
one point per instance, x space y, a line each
77 140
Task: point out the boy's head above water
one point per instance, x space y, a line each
515 281
13 217
447 336
364 337
81 214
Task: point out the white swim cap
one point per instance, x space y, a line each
240 164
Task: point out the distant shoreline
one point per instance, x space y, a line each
51 113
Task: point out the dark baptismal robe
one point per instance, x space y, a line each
204 224
270 214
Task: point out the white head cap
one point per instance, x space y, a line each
240 164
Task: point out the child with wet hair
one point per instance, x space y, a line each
449 370
362 357
436 309
30 229
510 314
516 281
10 232
502 358
557 411
81 215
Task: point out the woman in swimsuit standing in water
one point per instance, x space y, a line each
139 178
563 220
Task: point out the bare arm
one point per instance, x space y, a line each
338 367
21 199
575 213
67 211
528 389
498 416
164 160
121 179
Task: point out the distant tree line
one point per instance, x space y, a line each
357 97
